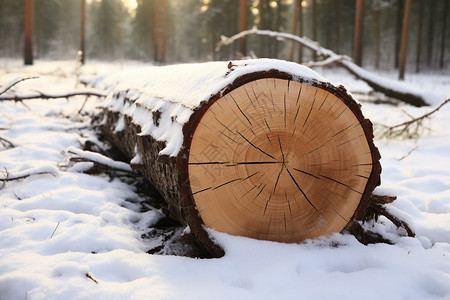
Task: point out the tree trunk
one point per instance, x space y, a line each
156 31
377 36
163 31
444 35
419 36
243 25
300 31
398 31
357 39
82 33
337 26
262 9
296 4
28 47
430 37
267 155
401 68
314 25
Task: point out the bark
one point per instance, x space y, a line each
221 158
156 31
297 3
28 48
444 34
83 31
243 25
300 32
419 36
357 39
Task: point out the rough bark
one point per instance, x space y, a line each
173 176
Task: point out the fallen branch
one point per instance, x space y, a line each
43 95
91 278
404 129
7 178
15 83
101 162
388 87
6 143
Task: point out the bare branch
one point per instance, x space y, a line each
16 82
410 128
23 176
43 95
386 86
6 143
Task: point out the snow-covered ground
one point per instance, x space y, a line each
68 235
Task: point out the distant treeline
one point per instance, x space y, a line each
169 31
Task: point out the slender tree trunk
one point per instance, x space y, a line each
357 44
300 31
398 30
296 4
28 47
377 37
314 27
243 25
444 31
39 29
337 26
163 31
83 33
430 38
401 73
419 36
262 8
156 31
277 26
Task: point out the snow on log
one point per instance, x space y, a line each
264 148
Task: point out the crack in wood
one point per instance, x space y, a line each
241 110
274 188
257 148
326 96
208 188
306 173
300 189
312 105
341 183
349 141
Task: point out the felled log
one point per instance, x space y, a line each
265 149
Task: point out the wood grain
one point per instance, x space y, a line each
278 160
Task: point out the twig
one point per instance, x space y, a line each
16 82
402 128
409 153
23 176
7 143
57 225
42 95
91 278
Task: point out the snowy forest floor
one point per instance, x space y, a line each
66 235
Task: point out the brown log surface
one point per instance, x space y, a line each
272 156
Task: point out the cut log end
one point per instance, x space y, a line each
279 160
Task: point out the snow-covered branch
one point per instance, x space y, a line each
44 95
389 87
97 158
